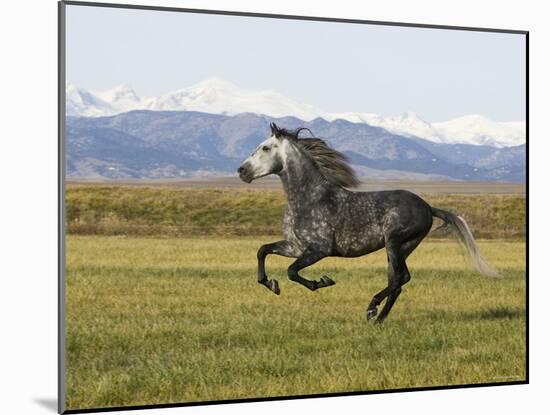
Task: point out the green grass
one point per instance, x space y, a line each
158 320
168 211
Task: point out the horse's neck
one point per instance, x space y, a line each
302 183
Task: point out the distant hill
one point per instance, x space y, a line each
170 144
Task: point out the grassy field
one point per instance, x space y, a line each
175 211
158 320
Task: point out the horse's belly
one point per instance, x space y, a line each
355 244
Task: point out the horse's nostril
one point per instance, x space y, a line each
240 170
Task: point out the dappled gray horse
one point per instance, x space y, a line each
322 218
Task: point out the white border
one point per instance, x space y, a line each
28 166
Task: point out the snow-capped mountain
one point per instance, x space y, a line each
407 124
212 96
476 129
216 96
470 129
122 98
83 103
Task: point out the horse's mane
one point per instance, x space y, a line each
332 164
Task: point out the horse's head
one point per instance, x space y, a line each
268 158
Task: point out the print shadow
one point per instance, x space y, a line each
48 403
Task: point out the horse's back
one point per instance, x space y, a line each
373 206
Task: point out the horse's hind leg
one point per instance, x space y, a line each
399 278
283 248
396 268
309 257
398 275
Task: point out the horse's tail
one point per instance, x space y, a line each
461 229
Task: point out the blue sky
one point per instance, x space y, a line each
337 67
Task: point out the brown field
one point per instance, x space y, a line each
431 187
172 209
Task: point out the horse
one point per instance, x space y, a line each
324 217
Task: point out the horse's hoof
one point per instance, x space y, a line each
274 286
371 313
326 281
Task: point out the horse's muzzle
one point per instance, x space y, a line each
244 174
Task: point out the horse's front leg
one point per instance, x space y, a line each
309 257
283 248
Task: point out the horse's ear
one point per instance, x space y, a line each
275 130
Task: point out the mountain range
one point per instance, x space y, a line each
170 144
216 96
208 129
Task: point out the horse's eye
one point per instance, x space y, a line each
265 148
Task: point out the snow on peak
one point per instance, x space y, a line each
407 124
84 103
470 129
218 96
222 97
118 92
477 129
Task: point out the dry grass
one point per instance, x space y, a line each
171 211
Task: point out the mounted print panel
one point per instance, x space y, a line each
270 207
